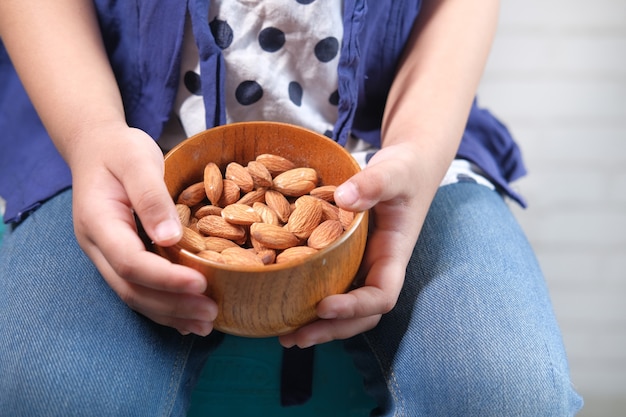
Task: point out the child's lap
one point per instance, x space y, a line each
474 317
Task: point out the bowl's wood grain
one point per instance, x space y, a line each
274 299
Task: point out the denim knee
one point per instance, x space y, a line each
473 332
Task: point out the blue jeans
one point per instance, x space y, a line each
473 333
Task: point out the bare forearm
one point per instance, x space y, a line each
57 50
437 81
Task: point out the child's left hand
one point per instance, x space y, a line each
394 186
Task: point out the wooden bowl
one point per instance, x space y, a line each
279 298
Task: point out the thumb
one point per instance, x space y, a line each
158 216
381 180
153 204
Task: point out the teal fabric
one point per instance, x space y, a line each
242 378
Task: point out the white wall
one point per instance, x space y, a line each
557 78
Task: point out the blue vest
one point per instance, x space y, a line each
143 39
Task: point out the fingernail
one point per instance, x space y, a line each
287 345
306 344
166 230
206 311
214 313
203 329
329 315
197 286
347 194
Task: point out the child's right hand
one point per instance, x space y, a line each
118 172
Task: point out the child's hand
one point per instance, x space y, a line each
391 185
117 170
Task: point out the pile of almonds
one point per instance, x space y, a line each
270 211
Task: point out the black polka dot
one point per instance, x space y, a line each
271 39
327 49
222 32
248 92
334 98
305 1
295 93
193 83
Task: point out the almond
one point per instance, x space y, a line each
260 175
277 202
275 164
306 216
191 240
212 256
184 214
272 236
207 210
325 192
266 213
231 193
216 226
192 195
329 211
213 182
241 214
217 244
346 217
305 200
294 253
256 245
325 234
268 256
193 225
253 196
240 256
296 181
240 176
